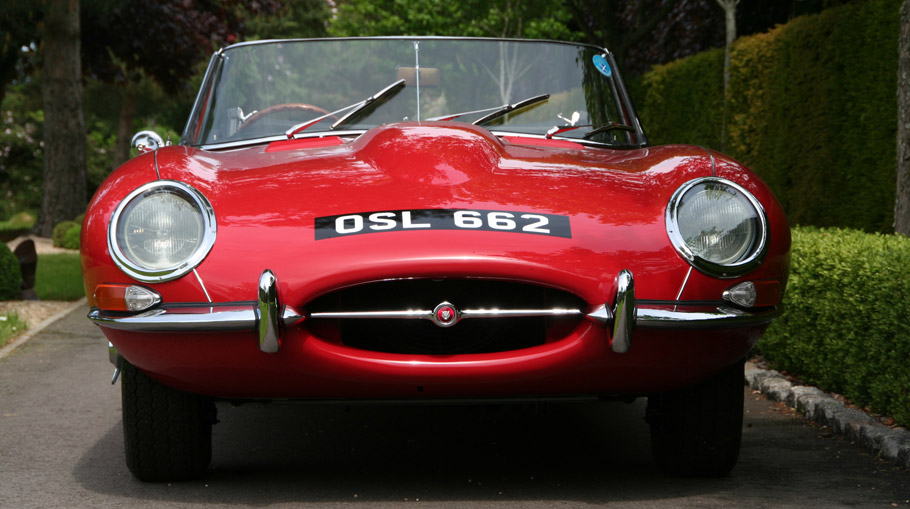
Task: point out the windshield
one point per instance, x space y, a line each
283 89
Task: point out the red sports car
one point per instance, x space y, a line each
424 219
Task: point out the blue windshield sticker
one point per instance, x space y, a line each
601 64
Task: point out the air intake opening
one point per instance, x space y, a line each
420 336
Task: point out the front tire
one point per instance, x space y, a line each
697 431
167 433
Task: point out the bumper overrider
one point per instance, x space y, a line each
267 315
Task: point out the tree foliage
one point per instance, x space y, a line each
644 33
475 18
298 19
19 22
811 111
172 37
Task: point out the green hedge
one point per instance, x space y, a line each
812 110
71 237
846 326
60 232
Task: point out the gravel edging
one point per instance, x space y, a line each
892 444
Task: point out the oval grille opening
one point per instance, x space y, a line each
470 335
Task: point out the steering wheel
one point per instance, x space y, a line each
278 108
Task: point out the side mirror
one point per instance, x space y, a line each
146 141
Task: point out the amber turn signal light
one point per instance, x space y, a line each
754 294
114 297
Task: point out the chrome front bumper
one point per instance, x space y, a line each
266 315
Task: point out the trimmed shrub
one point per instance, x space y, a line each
10 276
683 100
845 325
19 224
811 109
71 238
60 231
21 220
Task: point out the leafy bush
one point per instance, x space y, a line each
845 326
60 231
10 276
71 237
810 110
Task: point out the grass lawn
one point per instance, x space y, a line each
10 325
59 277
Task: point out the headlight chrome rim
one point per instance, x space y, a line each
740 267
151 275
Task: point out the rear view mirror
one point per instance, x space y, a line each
429 76
145 141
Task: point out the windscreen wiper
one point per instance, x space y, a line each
361 107
453 116
509 108
598 128
498 111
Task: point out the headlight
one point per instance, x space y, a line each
161 231
717 226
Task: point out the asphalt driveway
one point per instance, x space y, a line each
61 445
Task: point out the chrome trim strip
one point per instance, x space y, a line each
267 312
624 312
427 314
175 320
157 171
713 160
270 139
417 74
190 319
518 313
240 318
580 141
410 38
242 143
358 132
114 356
721 317
197 103
601 314
682 287
206 292
327 134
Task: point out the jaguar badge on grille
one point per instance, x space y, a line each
445 315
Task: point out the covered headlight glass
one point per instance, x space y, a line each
718 226
161 231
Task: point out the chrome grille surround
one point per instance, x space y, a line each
484 316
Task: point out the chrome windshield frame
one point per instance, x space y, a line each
204 96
